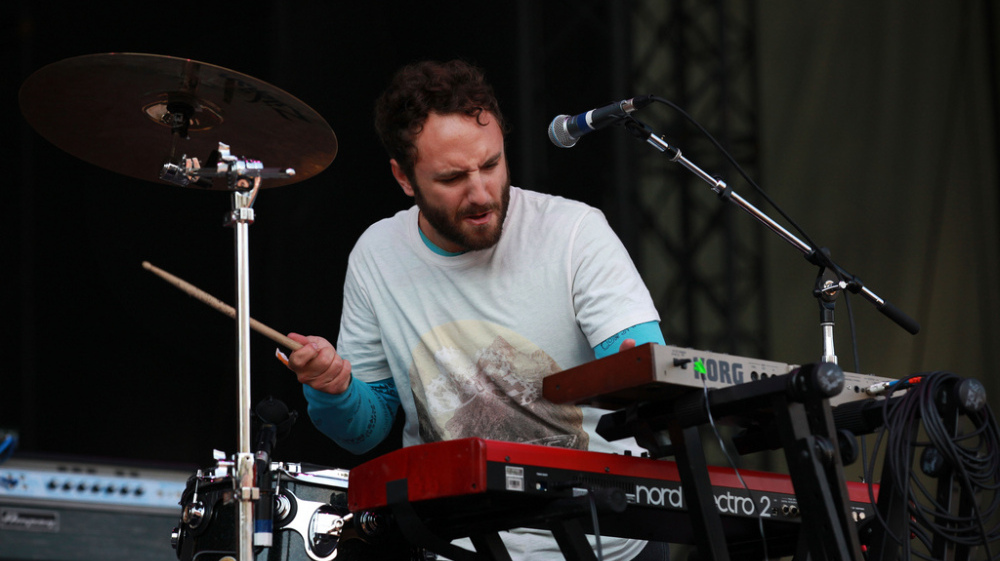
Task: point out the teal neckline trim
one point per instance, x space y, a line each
430 245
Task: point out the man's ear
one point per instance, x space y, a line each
401 178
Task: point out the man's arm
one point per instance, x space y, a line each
354 414
608 292
358 419
648 332
317 364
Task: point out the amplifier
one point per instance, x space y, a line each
81 510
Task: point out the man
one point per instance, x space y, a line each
457 308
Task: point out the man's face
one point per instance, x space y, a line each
462 186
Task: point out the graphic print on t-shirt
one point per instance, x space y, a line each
475 378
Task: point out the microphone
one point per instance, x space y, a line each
272 420
565 130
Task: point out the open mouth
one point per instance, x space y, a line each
479 219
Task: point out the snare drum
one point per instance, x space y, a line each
310 519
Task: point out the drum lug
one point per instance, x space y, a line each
193 514
325 524
282 507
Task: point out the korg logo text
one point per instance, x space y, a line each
721 371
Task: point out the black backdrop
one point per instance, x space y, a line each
104 360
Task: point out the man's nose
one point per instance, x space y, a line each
478 192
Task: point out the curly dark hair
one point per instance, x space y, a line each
428 87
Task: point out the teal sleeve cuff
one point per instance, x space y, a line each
643 333
358 419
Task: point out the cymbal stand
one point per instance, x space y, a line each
240 219
243 180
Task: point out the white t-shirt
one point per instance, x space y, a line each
469 338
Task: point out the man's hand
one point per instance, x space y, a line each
318 365
626 345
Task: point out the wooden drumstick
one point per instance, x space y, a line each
221 306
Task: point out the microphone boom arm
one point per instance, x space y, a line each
847 280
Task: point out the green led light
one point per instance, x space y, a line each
699 367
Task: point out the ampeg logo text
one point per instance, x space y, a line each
727 503
29 520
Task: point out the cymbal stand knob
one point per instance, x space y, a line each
236 170
178 117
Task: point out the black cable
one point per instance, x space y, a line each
853 332
817 256
739 169
971 456
594 518
599 549
729 458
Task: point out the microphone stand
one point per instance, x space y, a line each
826 291
818 476
841 280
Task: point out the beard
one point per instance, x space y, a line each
469 237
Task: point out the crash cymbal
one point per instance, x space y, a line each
131 113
